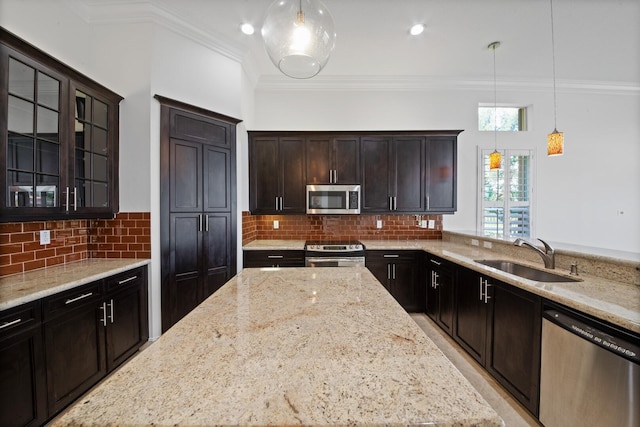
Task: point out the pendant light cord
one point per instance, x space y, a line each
495 102
553 58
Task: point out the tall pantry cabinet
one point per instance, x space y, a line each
198 206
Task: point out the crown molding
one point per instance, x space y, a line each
102 12
425 83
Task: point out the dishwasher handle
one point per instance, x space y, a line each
602 338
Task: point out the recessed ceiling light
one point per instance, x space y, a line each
416 29
247 29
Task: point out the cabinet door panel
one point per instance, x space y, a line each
217 247
471 314
22 387
125 333
217 179
405 285
409 174
292 175
376 169
514 342
185 252
318 160
263 170
185 188
347 160
441 174
446 303
75 354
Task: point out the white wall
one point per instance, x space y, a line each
577 195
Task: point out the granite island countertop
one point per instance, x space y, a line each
321 346
25 287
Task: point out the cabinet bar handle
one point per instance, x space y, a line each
388 271
393 269
435 262
66 206
435 280
281 203
395 203
391 256
7 324
83 296
75 198
276 203
122 282
486 292
206 223
481 290
427 202
104 314
199 222
275 256
111 310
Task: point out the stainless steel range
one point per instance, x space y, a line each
334 254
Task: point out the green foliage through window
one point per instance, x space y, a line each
511 119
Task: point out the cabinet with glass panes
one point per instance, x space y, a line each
59 132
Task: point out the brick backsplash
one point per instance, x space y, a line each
338 227
128 235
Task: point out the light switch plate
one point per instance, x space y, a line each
276 224
45 237
379 223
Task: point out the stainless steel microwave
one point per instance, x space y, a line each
333 199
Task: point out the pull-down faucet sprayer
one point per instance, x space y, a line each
548 255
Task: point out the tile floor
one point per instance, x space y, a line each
511 412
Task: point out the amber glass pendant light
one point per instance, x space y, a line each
495 158
555 140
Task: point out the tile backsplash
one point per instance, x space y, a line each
338 227
128 235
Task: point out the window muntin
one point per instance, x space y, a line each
506 195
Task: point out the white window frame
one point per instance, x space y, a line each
507 204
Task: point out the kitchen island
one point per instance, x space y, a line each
321 346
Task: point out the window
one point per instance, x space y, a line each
506 195
511 119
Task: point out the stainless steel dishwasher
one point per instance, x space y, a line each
590 372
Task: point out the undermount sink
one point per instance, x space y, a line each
525 271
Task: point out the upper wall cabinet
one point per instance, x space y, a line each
59 132
333 159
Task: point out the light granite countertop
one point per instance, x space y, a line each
278 245
603 298
618 303
25 287
323 346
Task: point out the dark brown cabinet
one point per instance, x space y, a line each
399 273
440 286
392 174
23 392
59 132
277 174
499 325
333 160
127 323
53 350
267 258
74 333
441 175
198 206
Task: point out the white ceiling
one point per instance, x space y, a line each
597 41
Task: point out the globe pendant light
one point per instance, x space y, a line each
495 159
555 140
299 36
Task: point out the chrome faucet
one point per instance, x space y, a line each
548 255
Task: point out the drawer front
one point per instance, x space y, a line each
126 279
291 258
63 302
21 318
391 256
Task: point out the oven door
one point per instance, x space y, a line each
334 261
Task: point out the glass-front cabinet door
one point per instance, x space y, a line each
59 138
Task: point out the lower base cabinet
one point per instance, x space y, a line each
53 350
23 391
439 292
499 325
400 273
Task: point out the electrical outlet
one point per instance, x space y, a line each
474 242
276 224
423 223
487 245
432 223
45 237
379 223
